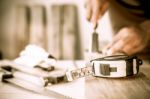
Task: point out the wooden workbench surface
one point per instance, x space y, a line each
137 87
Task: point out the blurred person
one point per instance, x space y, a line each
130 20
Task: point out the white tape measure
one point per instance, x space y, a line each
110 66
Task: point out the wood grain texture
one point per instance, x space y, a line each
64 33
135 87
37 26
55 31
70 41
22 28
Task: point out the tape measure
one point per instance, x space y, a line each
110 66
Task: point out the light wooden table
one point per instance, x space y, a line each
137 87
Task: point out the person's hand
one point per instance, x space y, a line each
129 40
95 9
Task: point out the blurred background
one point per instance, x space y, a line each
59 26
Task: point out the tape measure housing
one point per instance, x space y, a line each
116 66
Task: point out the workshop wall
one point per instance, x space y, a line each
59 26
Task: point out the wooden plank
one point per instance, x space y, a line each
135 87
22 28
64 36
69 30
55 31
71 39
37 26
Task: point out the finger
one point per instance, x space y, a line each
101 13
95 11
117 47
106 48
115 39
88 10
98 10
103 9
